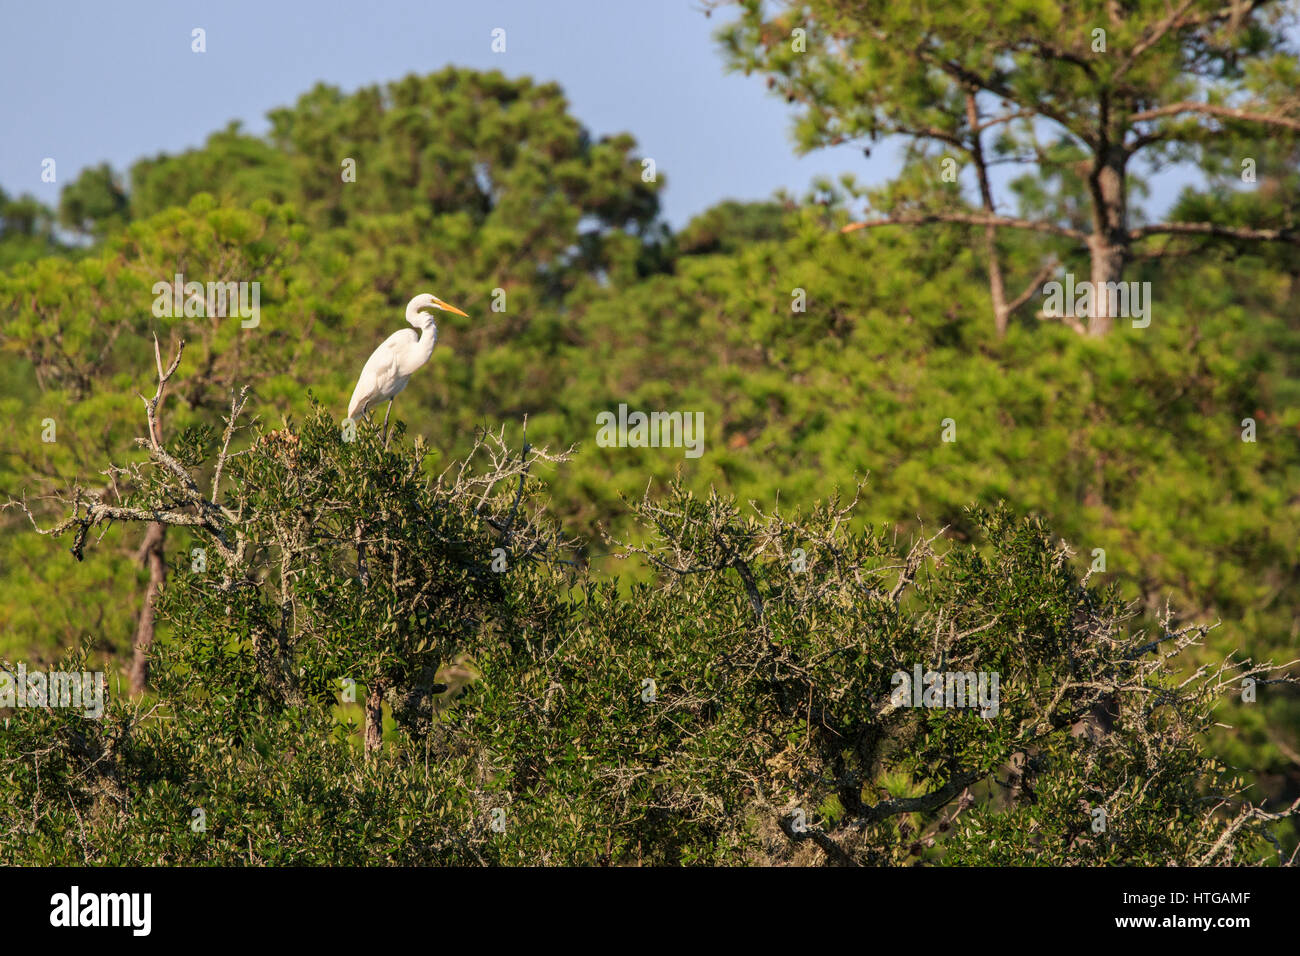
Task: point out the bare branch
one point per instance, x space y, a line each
1227 112
969 219
1289 234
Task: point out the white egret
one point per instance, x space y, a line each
391 365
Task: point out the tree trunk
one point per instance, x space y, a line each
375 698
1108 246
374 721
151 552
1108 259
997 287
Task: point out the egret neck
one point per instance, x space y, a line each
428 333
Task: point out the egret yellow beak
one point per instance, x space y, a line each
451 308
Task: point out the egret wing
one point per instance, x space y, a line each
380 374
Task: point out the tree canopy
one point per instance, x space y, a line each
1082 94
499 640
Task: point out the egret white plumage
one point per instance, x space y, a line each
391 365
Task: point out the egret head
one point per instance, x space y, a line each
417 310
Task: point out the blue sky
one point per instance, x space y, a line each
87 82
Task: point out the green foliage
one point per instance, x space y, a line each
867 70
76 338
740 708
26 230
1132 445
237 168
1085 97
94 204
730 225
469 183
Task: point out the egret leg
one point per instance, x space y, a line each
386 414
